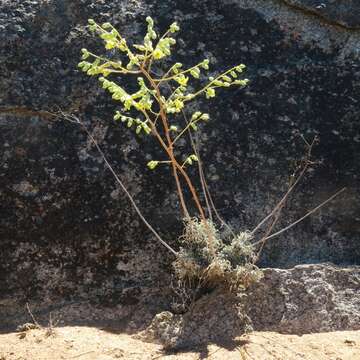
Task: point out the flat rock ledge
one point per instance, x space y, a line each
303 299
306 299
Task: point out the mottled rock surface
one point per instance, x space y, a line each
301 300
67 231
216 318
341 12
306 298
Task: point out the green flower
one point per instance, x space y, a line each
174 27
210 93
152 164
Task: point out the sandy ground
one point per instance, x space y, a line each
90 343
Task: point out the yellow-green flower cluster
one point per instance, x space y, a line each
149 100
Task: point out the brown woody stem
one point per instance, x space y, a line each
170 151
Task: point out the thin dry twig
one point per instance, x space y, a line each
205 188
82 354
74 119
275 213
50 328
220 219
305 216
200 169
281 203
204 185
32 316
244 353
267 233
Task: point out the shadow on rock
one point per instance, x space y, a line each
216 318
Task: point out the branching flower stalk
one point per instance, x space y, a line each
207 255
152 101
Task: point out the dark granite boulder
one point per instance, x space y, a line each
338 12
66 230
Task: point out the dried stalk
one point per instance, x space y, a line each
303 217
205 188
74 119
281 203
275 213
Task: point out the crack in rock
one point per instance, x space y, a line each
344 13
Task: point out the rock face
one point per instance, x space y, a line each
305 299
66 230
339 12
216 318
